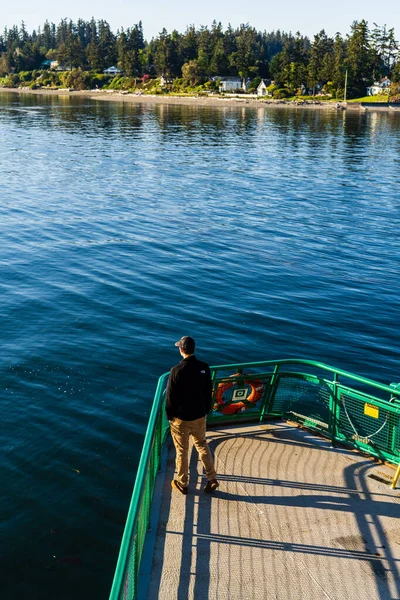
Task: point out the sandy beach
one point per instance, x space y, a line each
211 101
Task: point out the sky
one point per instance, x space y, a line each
306 16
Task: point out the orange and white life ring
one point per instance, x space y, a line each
231 405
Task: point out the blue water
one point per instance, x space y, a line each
263 233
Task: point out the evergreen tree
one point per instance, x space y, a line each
320 61
93 58
219 64
47 37
245 57
230 43
203 63
338 65
133 43
61 32
188 46
23 35
205 43
293 64
107 45
166 57
122 49
5 65
71 53
359 57
384 48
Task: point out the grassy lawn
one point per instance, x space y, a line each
381 98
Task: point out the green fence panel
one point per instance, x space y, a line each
304 398
368 423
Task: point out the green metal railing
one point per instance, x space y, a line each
347 408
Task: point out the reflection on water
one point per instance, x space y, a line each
263 233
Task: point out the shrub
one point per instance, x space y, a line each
76 79
49 78
121 83
211 85
11 80
395 91
280 93
99 79
177 85
25 75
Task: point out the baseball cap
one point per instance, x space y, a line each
186 343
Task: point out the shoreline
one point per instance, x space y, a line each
214 101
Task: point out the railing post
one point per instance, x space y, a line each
270 394
396 478
333 408
394 424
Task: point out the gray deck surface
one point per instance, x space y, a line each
292 519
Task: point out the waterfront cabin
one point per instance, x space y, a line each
164 80
112 71
262 89
54 65
379 87
230 84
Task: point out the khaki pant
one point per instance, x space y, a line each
181 431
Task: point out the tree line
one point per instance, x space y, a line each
293 61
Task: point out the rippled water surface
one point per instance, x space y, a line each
263 233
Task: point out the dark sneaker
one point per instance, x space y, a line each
211 486
179 487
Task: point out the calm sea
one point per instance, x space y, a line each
263 233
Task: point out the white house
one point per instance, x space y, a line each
230 84
55 65
166 80
262 89
112 71
379 87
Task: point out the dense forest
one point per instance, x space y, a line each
294 62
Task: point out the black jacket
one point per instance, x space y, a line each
189 390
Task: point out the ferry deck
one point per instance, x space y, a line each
307 505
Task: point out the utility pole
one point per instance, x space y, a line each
345 88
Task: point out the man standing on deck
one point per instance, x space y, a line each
189 395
